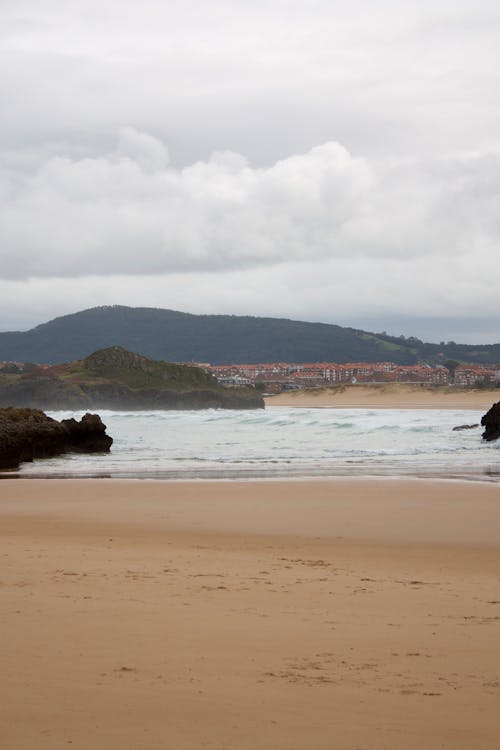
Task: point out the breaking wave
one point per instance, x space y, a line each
283 442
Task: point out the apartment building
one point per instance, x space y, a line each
277 376
469 375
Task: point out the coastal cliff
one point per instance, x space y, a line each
115 378
26 434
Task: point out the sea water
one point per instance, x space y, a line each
281 442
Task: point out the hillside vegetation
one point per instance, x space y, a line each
115 378
222 339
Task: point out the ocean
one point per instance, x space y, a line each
281 442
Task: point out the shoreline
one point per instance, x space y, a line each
490 477
327 613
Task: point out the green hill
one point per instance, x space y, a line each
221 339
117 379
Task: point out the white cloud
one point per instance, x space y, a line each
148 152
129 212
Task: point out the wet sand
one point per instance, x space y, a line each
387 396
361 615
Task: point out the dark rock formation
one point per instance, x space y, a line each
491 423
88 435
26 434
465 427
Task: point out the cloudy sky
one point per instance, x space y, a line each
321 160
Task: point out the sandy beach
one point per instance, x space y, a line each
355 614
387 396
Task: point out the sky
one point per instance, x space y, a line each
319 160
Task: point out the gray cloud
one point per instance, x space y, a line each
265 78
325 160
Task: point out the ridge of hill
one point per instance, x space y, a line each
115 378
222 339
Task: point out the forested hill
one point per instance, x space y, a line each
114 378
221 339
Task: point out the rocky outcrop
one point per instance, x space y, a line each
26 434
491 423
117 379
88 435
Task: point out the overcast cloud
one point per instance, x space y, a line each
322 160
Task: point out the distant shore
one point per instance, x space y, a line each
243 615
387 396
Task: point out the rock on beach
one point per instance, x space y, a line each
491 423
26 434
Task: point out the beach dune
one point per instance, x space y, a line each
387 396
242 615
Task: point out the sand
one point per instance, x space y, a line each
359 615
387 396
